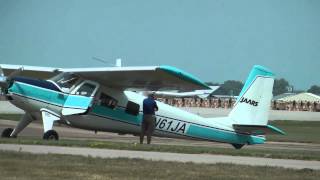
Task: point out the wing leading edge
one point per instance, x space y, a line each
132 78
142 78
30 71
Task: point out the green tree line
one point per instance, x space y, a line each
233 87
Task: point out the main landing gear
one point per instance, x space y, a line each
237 146
13 133
6 133
48 120
49 135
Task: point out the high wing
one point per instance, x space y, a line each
30 71
125 78
142 78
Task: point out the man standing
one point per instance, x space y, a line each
149 119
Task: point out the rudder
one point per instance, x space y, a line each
253 103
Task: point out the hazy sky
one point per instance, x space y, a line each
215 40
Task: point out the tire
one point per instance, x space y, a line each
51 135
6 133
237 146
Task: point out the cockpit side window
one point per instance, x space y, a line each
86 90
66 81
108 101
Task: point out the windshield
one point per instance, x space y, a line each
65 81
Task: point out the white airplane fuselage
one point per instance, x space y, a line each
113 110
86 104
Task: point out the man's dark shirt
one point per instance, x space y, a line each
149 106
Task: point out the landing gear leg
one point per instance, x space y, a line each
48 118
6 133
23 123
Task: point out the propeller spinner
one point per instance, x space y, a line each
5 81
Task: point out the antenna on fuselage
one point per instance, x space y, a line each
101 60
117 64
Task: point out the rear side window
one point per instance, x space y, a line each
132 108
108 101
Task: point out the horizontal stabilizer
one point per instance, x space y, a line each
257 129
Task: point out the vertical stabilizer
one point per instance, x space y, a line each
253 104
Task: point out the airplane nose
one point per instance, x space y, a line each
5 84
7 81
3 81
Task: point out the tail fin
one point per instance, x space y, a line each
253 104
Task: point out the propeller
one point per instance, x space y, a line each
5 81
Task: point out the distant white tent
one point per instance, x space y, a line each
280 96
301 97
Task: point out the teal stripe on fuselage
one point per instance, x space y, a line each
78 101
194 131
38 93
222 136
117 114
50 96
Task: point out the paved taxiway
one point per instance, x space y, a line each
163 156
35 130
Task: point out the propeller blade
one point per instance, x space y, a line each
15 73
3 79
1 72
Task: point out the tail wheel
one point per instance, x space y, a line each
237 146
51 135
6 133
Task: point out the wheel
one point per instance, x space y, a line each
51 135
237 146
6 133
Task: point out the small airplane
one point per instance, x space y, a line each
104 99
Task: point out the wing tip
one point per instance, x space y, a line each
183 74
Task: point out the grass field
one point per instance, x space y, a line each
269 153
297 131
14 117
17 165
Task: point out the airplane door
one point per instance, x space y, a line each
80 99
